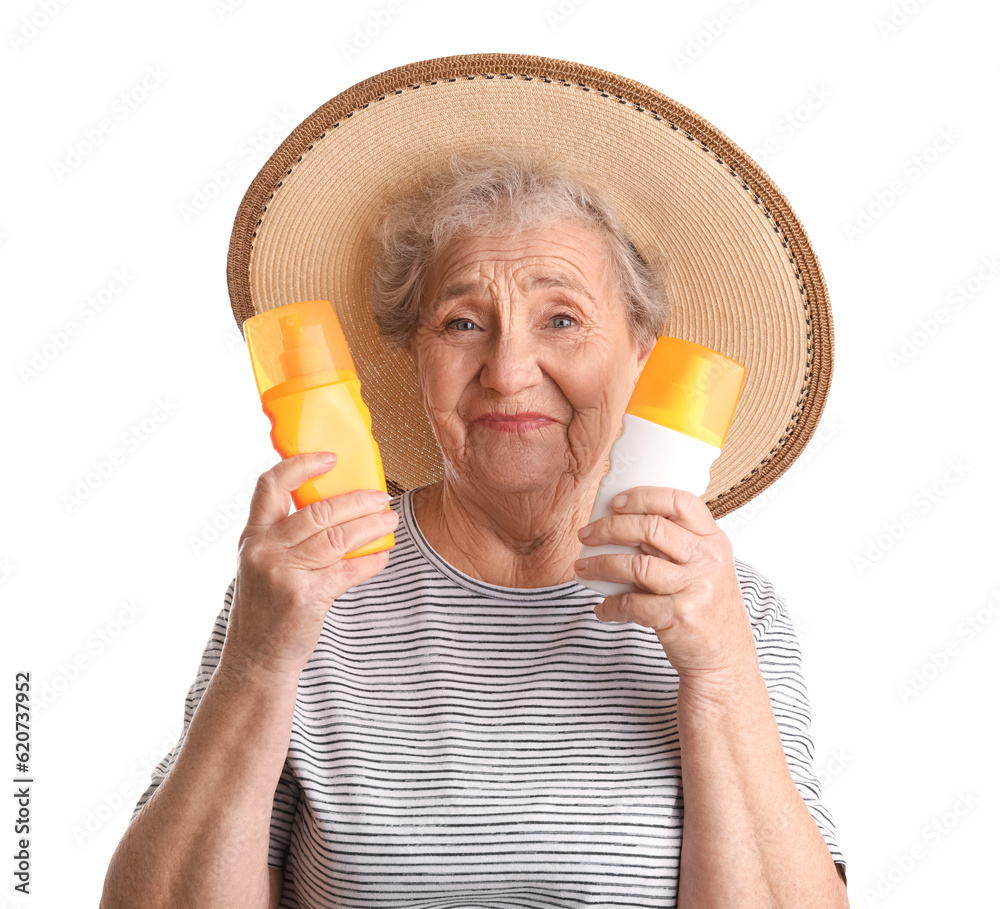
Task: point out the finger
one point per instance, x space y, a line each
647 572
683 508
656 612
272 496
329 545
318 517
350 572
650 533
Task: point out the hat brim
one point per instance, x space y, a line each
740 273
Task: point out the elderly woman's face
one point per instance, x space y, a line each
524 357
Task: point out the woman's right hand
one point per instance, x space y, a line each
292 567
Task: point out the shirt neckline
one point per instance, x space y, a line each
558 591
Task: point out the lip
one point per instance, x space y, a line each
515 422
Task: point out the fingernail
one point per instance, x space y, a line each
328 456
585 532
580 565
619 500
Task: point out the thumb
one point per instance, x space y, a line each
272 496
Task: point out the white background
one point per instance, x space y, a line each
882 537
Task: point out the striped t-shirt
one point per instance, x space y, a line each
457 744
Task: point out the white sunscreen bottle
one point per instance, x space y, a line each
673 430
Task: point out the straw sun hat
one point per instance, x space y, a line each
740 274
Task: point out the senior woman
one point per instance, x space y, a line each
459 722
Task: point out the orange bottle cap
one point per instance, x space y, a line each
689 388
298 340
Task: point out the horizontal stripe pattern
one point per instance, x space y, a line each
457 744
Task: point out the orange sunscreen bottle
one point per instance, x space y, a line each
310 391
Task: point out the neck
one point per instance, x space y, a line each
511 540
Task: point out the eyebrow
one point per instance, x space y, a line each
544 281
559 279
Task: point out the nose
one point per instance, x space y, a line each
510 364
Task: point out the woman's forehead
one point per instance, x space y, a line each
571 257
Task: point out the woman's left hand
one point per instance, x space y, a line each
690 594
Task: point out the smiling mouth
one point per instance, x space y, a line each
520 422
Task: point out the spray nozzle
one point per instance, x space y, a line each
298 340
299 356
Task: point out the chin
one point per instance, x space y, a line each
524 478
512 466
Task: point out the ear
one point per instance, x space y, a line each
643 356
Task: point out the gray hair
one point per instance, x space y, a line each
503 194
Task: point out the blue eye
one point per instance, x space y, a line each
462 325
568 322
